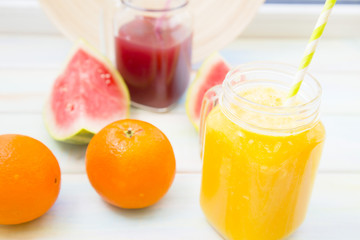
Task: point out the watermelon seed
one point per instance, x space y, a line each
70 107
108 82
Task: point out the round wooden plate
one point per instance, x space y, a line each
216 22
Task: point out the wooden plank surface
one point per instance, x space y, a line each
26 90
50 51
25 82
79 213
28 66
177 127
341 153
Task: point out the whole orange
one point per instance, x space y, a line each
29 179
130 163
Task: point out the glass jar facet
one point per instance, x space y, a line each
153 45
260 162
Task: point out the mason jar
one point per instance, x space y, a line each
260 154
153 45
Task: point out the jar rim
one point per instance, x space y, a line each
273 74
250 67
182 4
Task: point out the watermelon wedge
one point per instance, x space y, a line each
88 94
211 73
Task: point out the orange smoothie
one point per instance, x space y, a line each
257 184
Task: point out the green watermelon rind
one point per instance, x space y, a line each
199 79
83 135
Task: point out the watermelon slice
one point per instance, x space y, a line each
211 73
87 95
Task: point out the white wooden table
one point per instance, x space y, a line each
28 66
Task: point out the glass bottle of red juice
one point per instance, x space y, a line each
153 43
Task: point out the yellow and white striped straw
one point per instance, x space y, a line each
311 47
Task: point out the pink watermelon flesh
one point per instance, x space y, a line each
86 87
215 76
88 92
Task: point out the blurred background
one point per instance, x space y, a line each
275 18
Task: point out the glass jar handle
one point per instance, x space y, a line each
210 100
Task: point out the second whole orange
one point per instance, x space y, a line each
130 163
